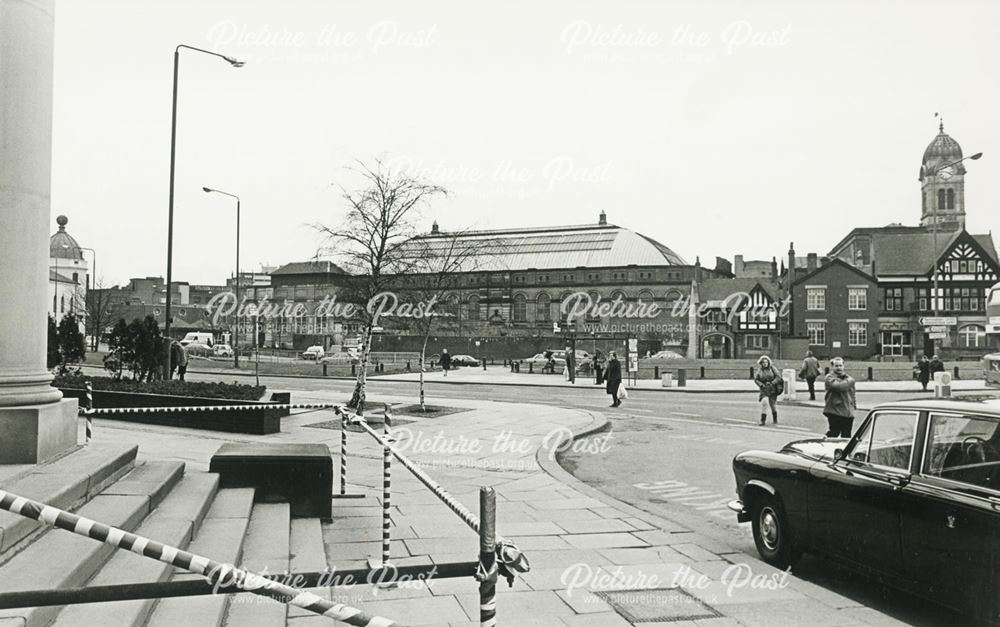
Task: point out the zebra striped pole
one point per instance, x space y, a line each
487 571
216 572
386 485
89 415
343 451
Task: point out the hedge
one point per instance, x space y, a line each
234 391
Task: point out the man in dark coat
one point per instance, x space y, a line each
841 400
445 361
923 371
613 378
809 372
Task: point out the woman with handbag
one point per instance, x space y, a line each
770 384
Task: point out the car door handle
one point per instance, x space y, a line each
898 481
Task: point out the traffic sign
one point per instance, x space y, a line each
935 321
937 336
937 329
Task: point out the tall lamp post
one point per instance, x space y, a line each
170 212
945 172
236 328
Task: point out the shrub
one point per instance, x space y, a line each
201 389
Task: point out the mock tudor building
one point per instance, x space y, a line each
935 270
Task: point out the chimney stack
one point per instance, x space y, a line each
738 265
434 228
811 262
602 220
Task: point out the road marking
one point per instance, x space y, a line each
685 494
683 413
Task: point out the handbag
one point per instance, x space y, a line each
622 391
779 385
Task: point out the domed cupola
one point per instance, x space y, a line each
62 244
942 183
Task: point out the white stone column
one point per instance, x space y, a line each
35 422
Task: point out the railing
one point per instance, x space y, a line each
497 556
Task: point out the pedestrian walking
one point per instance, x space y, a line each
936 365
613 378
598 368
178 360
445 361
841 400
809 372
770 384
923 369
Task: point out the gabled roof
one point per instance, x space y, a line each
827 266
721 289
310 267
60 278
911 251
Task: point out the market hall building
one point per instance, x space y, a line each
905 275
510 297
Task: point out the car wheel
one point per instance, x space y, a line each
771 533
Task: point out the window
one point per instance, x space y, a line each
569 278
543 278
886 441
857 298
543 307
972 336
893 299
815 298
473 308
951 198
520 279
520 313
941 203
817 333
759 342
591 315
645 275
963 449
857 334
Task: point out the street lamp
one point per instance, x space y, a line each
941 169
236 328
173 152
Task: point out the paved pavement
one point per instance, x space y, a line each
586 548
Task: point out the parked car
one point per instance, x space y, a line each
198 349
222 350
584 362
666 355
339 358
314 353
463 360
913 498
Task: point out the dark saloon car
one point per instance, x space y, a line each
463 360
912 499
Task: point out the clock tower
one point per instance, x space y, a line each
942 184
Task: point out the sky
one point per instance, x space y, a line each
717 128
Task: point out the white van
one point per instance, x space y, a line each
197 338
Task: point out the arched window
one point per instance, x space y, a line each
972 336
450 307
941 204
951 198
543 307
520 313
566 296
591 314
76 277
473 307
646 297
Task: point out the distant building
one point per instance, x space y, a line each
836 306
69 276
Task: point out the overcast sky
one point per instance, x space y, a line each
718 128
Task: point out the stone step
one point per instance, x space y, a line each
173 523
61 559
265 550
65 483
220 538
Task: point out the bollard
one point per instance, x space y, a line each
484 364
682 377
487 571
871 374
751 372
324 369
386 485
407 366
703 372
531 367
90 419
343 454
517 367
956 373
656 372
354 371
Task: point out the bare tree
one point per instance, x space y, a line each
102 309
440 261
371 244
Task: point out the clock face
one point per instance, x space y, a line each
946 172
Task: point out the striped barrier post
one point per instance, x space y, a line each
511 559
386 486
486 573
216 572
343 452
89 417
